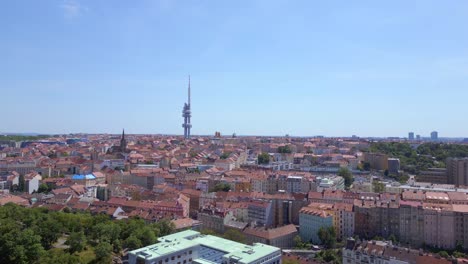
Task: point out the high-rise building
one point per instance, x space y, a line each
418 137
434 135
457 171
187 114
393 166
411 135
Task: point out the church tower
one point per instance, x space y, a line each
123 142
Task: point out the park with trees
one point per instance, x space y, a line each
419 158
38 235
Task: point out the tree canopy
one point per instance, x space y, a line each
23 138
222 187
329 256
328 236
28 235
284 149
263 158
378 186
225 155
427 155
346 174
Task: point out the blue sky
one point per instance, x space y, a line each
334 68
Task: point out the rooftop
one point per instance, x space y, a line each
83 177
212 248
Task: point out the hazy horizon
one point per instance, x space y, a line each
371 69
222 135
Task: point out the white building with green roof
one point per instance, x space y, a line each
191 247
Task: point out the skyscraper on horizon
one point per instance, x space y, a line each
434 136
411 135
187 114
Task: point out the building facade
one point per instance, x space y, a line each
310 222
457 171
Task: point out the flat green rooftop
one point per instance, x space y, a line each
189 238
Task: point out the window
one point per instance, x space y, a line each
173 257
167 259
178 256
190 252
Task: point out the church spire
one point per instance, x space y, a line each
123 142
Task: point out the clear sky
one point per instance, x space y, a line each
334 68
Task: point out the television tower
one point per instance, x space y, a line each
187 114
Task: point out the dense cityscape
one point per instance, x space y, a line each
101 198
233 132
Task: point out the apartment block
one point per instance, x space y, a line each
457 171
433 175
377 161
380 252
311 220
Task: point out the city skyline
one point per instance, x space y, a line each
259 68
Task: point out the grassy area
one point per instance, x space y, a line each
87 255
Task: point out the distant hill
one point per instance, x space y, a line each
20 134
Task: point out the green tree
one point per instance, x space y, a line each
234 235
393 238
164 227
18 138
225 155
444 254
222 187
20 246
378 187
346 174
103 252
327 236
107 231
427 155
132 242
76 241
459 254
329 256
298 243
43 188
263 158
146 235
284 149
49 231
